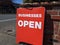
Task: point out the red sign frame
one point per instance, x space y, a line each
30 25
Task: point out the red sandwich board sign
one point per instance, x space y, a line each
30 25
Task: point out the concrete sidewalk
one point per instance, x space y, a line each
7 39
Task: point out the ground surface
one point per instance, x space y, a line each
8 29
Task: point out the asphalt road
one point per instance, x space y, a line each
7 16
8 30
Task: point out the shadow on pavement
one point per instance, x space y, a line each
48 31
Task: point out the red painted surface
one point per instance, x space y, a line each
28 31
